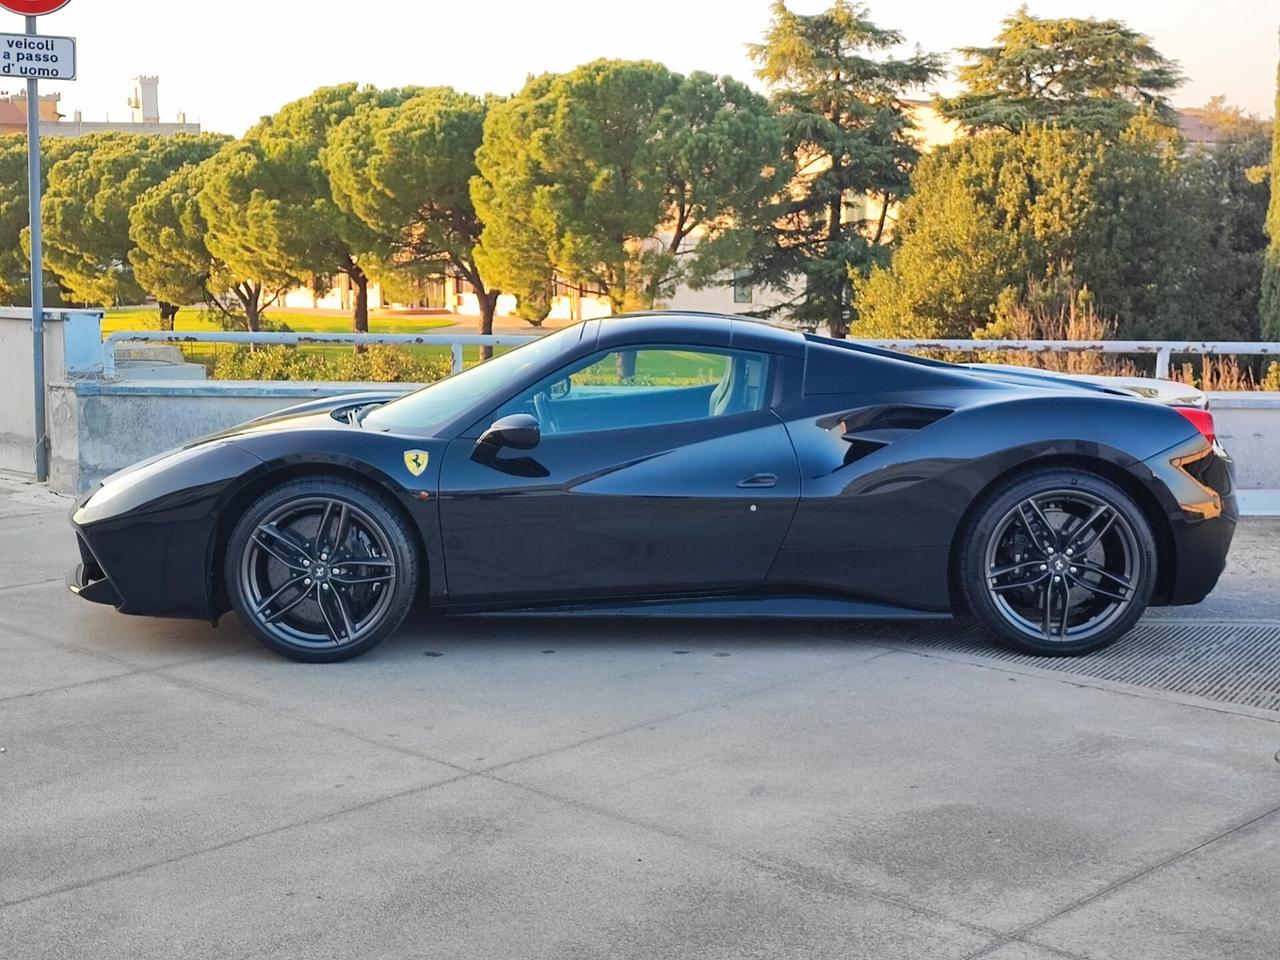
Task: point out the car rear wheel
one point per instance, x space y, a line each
321 569
1058 562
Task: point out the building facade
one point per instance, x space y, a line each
144 115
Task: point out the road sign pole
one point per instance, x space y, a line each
37 268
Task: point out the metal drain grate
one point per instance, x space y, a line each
1230 662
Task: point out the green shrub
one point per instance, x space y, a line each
379 364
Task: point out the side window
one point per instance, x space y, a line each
645 387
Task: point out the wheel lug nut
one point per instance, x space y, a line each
307 581
325 586
1056 579
1044 566
1073 569
1048 548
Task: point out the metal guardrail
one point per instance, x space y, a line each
1164 350
455 341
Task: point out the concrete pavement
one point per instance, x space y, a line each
507 788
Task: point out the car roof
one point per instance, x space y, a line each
694 328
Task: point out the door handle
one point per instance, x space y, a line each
758 480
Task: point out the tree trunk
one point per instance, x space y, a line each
168 311
361 281
488 307
251 300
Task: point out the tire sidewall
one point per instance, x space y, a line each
972 558
398 536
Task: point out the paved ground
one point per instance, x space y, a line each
521 789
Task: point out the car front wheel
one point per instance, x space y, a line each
1058 562
321 569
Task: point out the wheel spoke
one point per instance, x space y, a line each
1083 548
1040 518
262 607
1065 590
343 612
1000 588
288 606
282 546
357 581
1046 619
1012 568
340 535
1098 589
1114 577
328 620
322 529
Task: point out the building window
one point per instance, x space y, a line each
742 289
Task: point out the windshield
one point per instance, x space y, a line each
433 406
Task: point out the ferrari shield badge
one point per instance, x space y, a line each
416 461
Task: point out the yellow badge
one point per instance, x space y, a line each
416 461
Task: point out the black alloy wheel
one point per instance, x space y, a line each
321 569
1058 562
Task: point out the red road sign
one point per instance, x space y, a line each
33 8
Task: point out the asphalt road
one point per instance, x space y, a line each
506 788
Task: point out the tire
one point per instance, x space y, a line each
321 599
1021 570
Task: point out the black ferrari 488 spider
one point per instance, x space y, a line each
679 465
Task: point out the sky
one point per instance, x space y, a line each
226 63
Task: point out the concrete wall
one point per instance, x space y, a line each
1249 425
98 427
66 334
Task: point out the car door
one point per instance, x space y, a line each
658 470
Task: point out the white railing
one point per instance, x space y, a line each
455 341
1164 350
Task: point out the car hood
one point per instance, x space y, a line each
342 403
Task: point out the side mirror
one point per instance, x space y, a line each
520 431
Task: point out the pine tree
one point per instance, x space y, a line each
1269 309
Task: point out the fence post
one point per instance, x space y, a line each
1163 357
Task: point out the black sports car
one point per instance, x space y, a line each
678 465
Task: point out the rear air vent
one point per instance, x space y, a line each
868 429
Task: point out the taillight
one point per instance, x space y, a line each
1201 419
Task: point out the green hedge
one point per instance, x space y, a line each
378 364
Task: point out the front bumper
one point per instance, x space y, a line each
89 581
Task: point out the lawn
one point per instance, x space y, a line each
195 319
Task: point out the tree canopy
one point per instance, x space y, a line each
1076 71
268 202
840 94
627 178
172 260
1270 305
87 203
1128 218
404 173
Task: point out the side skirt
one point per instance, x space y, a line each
775 607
